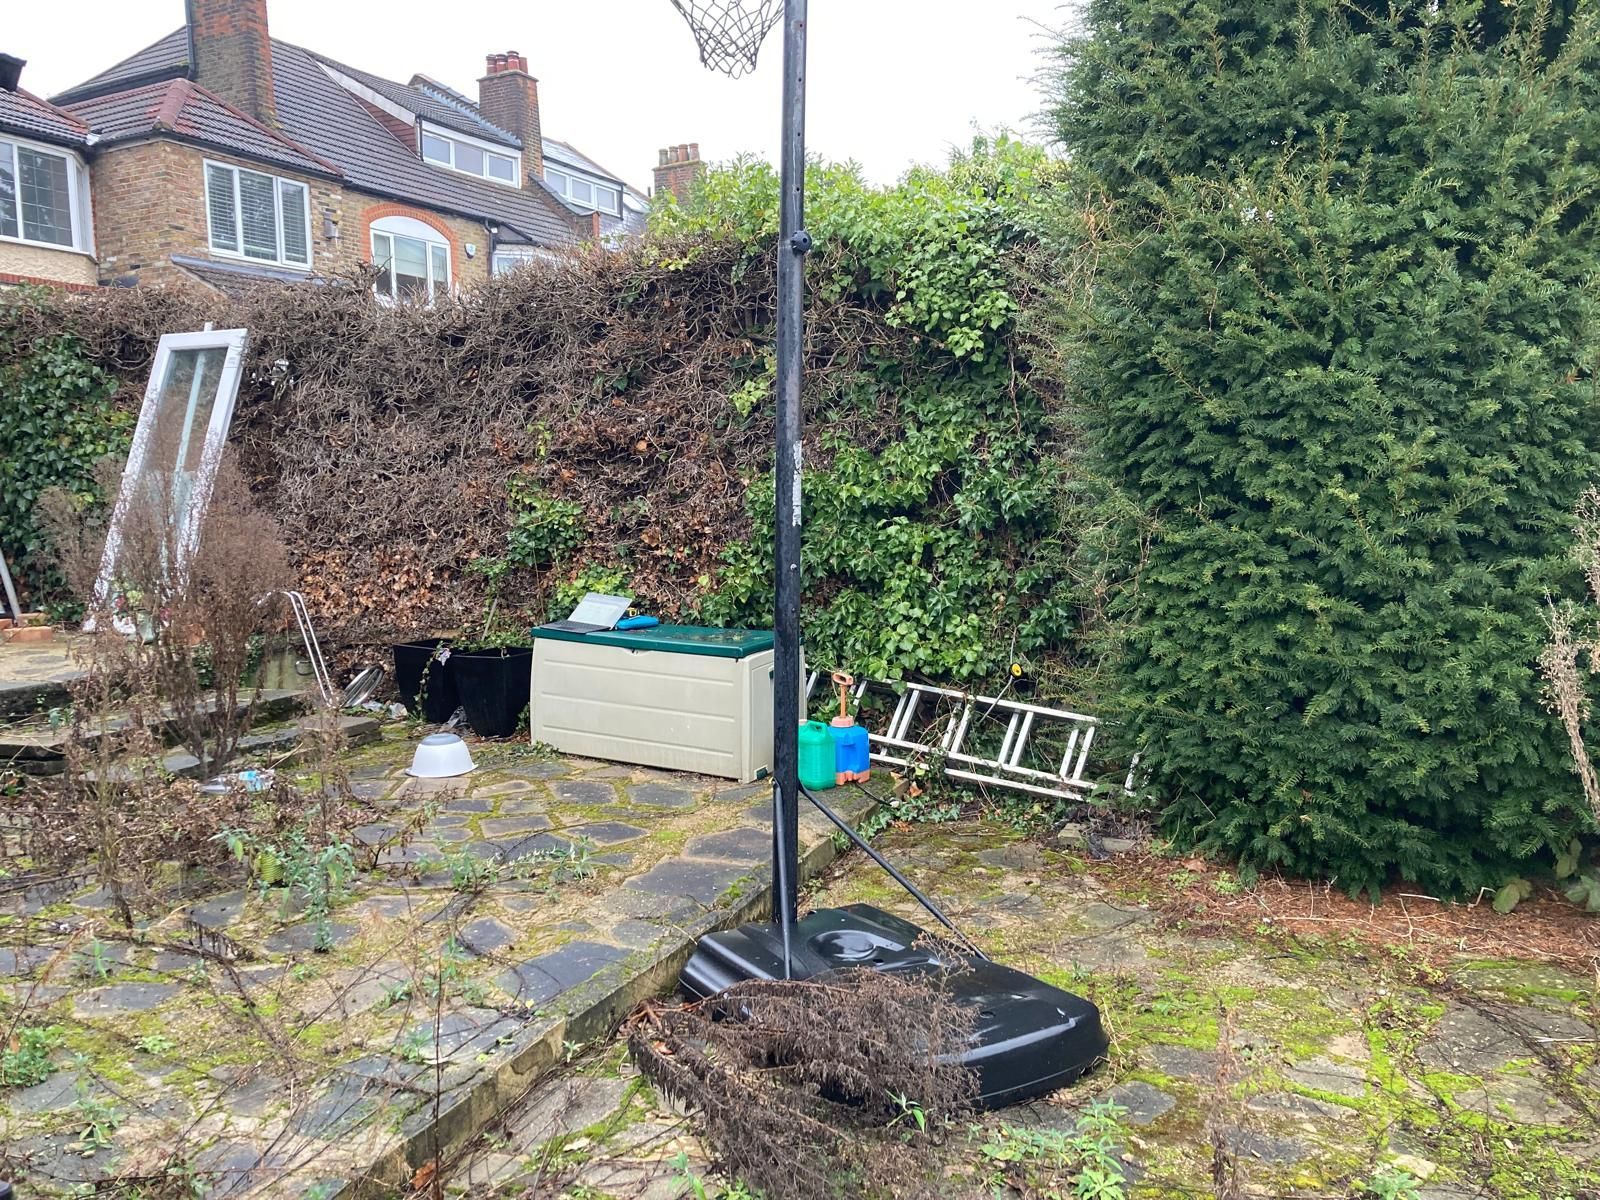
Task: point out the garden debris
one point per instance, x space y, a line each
801 1088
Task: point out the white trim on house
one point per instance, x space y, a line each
561 177
377 99
510 258
237 250
80 215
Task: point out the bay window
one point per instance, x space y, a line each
43 196
257 216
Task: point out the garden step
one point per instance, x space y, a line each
357 731
37 748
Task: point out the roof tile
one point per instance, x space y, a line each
24 113
432 103
167 58
323 125
189 110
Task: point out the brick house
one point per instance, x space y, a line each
219 155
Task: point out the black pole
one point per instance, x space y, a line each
793 243
862 844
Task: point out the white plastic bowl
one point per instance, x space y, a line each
440 756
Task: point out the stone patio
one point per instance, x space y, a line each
1319 1068
218 1045
34 675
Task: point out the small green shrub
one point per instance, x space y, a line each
25 1059
543 529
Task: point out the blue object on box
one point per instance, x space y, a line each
637 622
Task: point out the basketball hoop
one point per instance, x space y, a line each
730 32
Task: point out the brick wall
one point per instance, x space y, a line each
509 98
233 53
39 264
149 204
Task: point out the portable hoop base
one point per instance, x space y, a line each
1029 1038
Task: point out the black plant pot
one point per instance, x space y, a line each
414 663
494 687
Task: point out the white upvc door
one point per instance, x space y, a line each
177 447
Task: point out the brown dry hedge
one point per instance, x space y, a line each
384 438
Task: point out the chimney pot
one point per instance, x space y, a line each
509 98
677 169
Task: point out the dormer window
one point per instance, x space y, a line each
470 157
583 192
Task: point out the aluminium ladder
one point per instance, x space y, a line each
960 728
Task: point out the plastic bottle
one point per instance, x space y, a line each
852 756
816 756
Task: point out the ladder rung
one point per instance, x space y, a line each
1005 742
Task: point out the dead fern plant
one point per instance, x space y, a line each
808 1089
1572 653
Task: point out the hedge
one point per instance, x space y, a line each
1336 350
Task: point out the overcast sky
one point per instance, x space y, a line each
892 82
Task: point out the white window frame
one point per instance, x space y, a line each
79 213
567 175
232 342
453 139
238 216
417 231
513 258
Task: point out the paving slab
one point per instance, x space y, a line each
745 844
120 999
660 795
681 878
583 791
329 1057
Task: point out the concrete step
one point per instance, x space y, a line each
357 731
277 739
34 747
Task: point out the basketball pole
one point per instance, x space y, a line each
793 245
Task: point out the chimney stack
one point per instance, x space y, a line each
230 53
678 169
509 98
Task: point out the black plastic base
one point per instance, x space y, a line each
1029 1038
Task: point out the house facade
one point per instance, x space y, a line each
219 156
46 215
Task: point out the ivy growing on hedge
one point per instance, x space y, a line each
57 419
936 551
1337 346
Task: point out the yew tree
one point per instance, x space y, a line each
1334 337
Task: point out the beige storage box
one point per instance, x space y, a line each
681 697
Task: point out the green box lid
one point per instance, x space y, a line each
673 639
